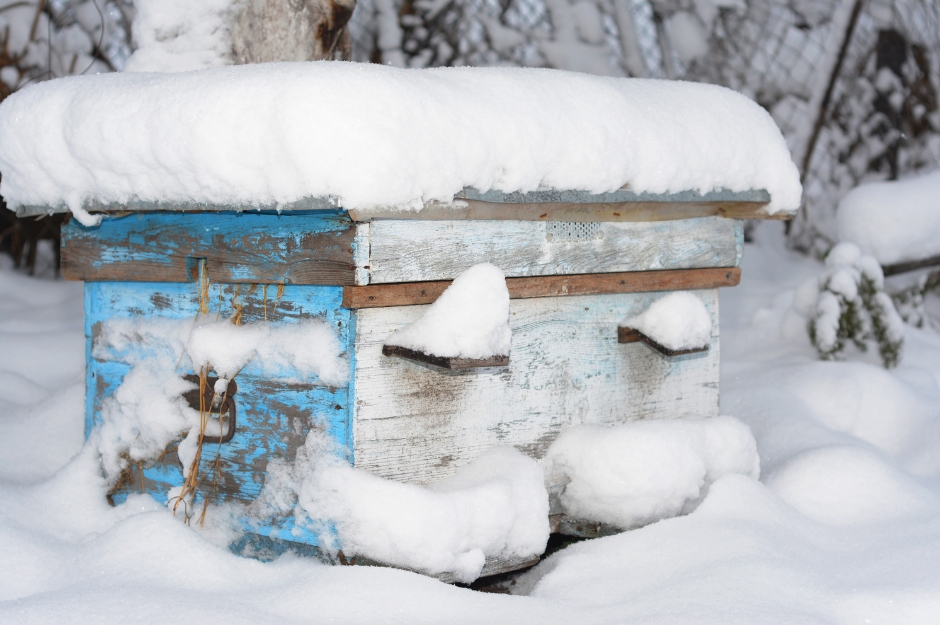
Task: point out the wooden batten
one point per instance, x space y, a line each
551 211
445 362
415 293
631 335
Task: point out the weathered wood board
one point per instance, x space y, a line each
299 248
544 204
416 423
321 248
414 251
416 293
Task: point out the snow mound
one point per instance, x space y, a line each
636 473
842 485
469 320
678 321
893 221
495 506
372 136
869 403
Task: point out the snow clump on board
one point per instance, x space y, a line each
496 506
893 221
371 136
678 321
643 471
469 320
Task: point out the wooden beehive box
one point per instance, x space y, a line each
576 265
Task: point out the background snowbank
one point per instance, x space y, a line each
893 221
375 136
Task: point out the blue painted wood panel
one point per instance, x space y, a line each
274 416
290 248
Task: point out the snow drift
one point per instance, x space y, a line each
639 472
495 506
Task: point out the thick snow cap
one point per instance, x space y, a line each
678 321
469 320
373 136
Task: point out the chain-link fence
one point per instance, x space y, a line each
851 83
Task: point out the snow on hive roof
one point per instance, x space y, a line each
373 136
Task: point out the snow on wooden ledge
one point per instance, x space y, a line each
382 140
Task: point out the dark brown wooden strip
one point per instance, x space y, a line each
627 335
414 293
892 270
632 335
444 362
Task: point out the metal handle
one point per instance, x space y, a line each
226 405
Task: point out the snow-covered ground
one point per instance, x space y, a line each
843 526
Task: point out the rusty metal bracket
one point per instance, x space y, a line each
216 404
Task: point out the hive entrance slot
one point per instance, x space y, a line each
631 335
443 361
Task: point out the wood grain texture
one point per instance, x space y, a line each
417 293
561 211
416 424
300 248
444 362
413 251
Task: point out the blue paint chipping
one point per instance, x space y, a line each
273 415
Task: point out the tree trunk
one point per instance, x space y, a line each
292 30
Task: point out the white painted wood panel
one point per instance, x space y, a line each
411 251
417 424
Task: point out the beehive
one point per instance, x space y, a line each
576 266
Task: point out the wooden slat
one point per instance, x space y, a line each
559 205
420 251
445 362
415 293
631 335
892 270
551 211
